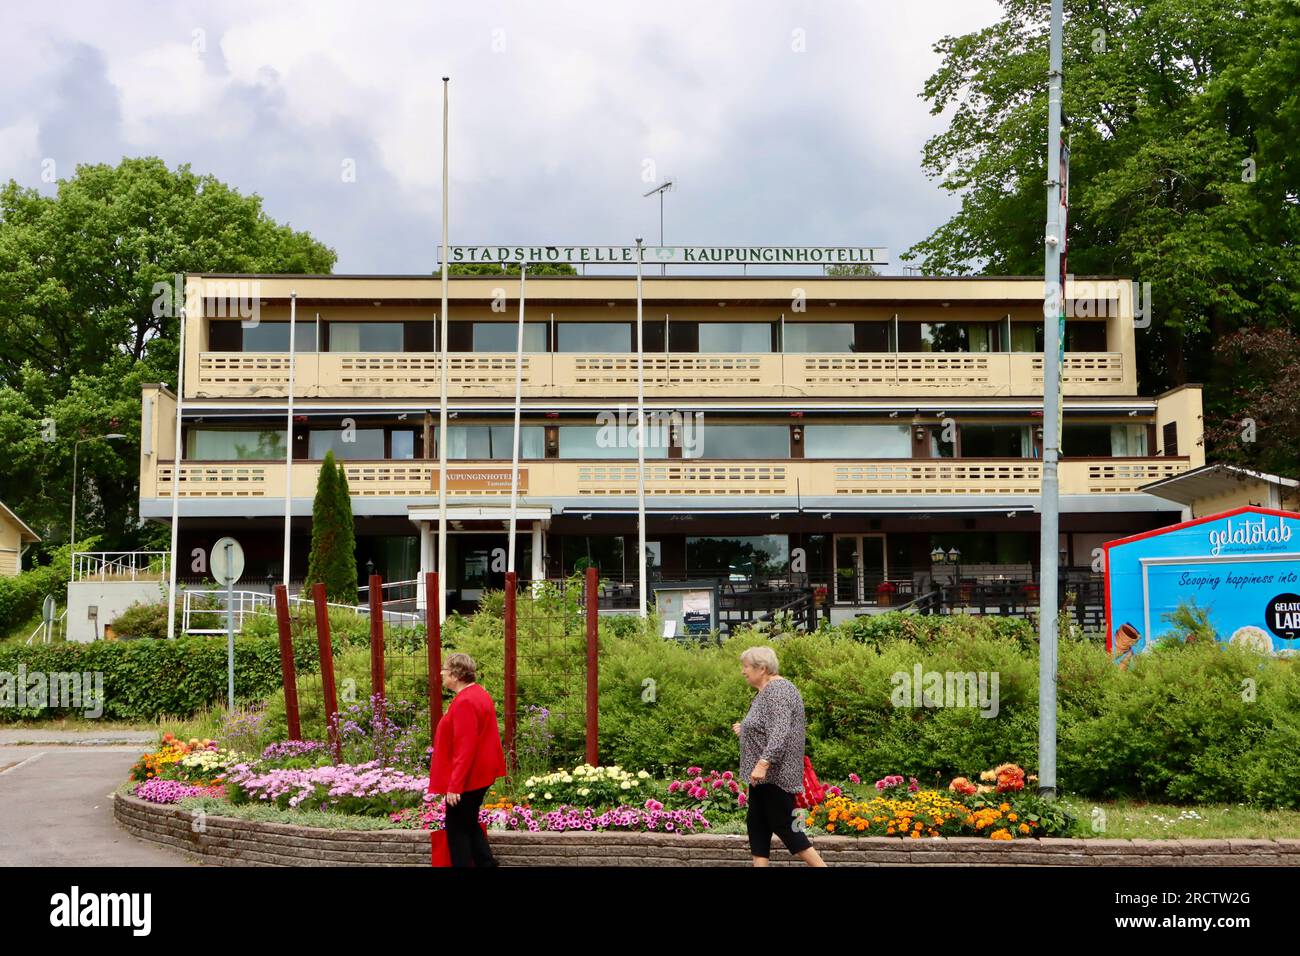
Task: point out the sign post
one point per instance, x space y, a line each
227 564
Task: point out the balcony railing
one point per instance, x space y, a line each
568 375
599 480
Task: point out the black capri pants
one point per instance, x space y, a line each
771 811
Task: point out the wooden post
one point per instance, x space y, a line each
287 674
433 639
326 647
593 667
377 642
511 649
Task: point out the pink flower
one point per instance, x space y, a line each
854 778
693 771
674 787
717 784
726 775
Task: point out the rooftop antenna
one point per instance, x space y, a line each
663 187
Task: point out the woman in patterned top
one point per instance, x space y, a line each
771 759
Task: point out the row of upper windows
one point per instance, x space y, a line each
659 336
684 439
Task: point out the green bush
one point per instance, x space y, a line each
21 596
148 680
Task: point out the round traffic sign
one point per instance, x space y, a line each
226 561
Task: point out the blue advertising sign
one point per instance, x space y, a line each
1242 568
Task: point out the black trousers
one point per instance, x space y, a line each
466 843
771 811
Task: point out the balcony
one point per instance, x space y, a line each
574 375
604 480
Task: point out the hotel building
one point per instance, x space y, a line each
819 432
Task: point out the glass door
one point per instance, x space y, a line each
860 565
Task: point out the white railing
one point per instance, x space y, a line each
56 631
212 620
119 565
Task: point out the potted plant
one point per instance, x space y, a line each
885 593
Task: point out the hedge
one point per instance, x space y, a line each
145 680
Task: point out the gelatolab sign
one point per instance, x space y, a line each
1241 568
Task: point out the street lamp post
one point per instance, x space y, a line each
72 535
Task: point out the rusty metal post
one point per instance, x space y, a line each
326 647
593 667
511 649
377 643
287 674
433 639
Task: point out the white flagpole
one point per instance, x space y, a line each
288 436
640 436
176 485
514 455
443 438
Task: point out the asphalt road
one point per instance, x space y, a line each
55 803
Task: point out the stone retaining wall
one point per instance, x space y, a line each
227 841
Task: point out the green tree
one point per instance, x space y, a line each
502 269
1182 116
332 560
84 321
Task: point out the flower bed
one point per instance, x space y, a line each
298 776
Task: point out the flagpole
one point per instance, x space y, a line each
288 437
443 438
1049 510
640 435
514 455
176 485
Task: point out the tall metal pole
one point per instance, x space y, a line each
443 438
176 482
663 269
72 531
514 454
288 437
1053 320
230 629
640 435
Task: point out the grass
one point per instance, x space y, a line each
1138 820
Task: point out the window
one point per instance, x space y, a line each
857 441
274 337
358 444
603 551
1014 547
493 442
959 337
1026 336
365 336
738 558
805 337
1104 441
504 336
996 441
594 337
735 337
234 444
609 441
1085 336
403 443
939 447
736 441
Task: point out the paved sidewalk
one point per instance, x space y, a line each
37 735
56 807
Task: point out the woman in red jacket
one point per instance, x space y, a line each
467 759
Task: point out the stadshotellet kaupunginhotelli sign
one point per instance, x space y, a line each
680 255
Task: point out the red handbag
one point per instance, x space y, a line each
441 856
813 792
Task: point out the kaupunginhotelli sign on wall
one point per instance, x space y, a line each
1242 567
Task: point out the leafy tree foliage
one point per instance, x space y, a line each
83 323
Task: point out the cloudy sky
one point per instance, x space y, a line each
783 123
